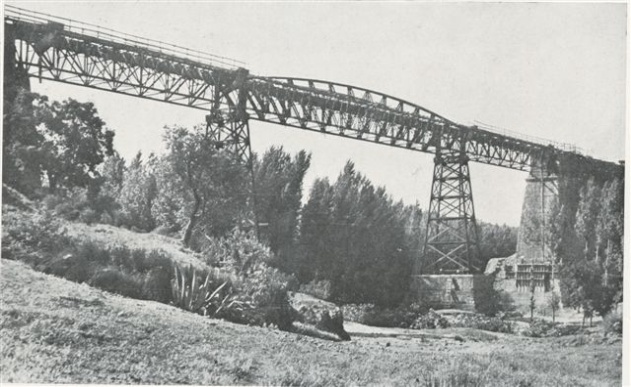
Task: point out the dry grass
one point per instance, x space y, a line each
55 331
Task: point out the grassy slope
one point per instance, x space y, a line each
114 236
57 331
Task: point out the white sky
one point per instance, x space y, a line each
550 70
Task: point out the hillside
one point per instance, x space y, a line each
56 331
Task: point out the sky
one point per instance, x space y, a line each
550 70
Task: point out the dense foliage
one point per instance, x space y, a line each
350 242
353 235
588 246
278 181
210 186
63 141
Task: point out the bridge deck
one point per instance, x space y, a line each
66 51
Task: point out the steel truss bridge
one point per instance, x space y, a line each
50 48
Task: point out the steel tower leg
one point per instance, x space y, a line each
229 129
451 244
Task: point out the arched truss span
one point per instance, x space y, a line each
77 54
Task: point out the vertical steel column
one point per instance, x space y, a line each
451 243
228 128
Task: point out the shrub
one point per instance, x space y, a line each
73 267
154 259
121 257
267 290
320 289
157 285
115 281
389 318
88 216
67 211
430 320
264 288
106 218
202 293
357 312
402 317
488 300
479 321
239 252
613 322
543 328
31 235
94 252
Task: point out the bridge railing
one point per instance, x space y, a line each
564 146
15 13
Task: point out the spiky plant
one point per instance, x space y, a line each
207 297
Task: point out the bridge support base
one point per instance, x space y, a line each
451 245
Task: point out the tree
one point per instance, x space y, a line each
75 142
278 178
212 185
21 141
65 141
554 303
496 241
589 252
315 229
355 237
609 242
138 193
532 303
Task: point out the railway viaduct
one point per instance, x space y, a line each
54 49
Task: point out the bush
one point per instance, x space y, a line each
488 300
121 257
267 289
73 267
157 285
106 218
357 312
204 293
543 328
39 239
261 286
143 262
88 216
115 281
482 322
320 289
67 211
31 235
613 323
94 252
430 320
401 317
240 252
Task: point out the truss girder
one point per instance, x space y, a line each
451 244
53 52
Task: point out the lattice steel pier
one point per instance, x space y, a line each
452 244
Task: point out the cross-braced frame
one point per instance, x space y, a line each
451 244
